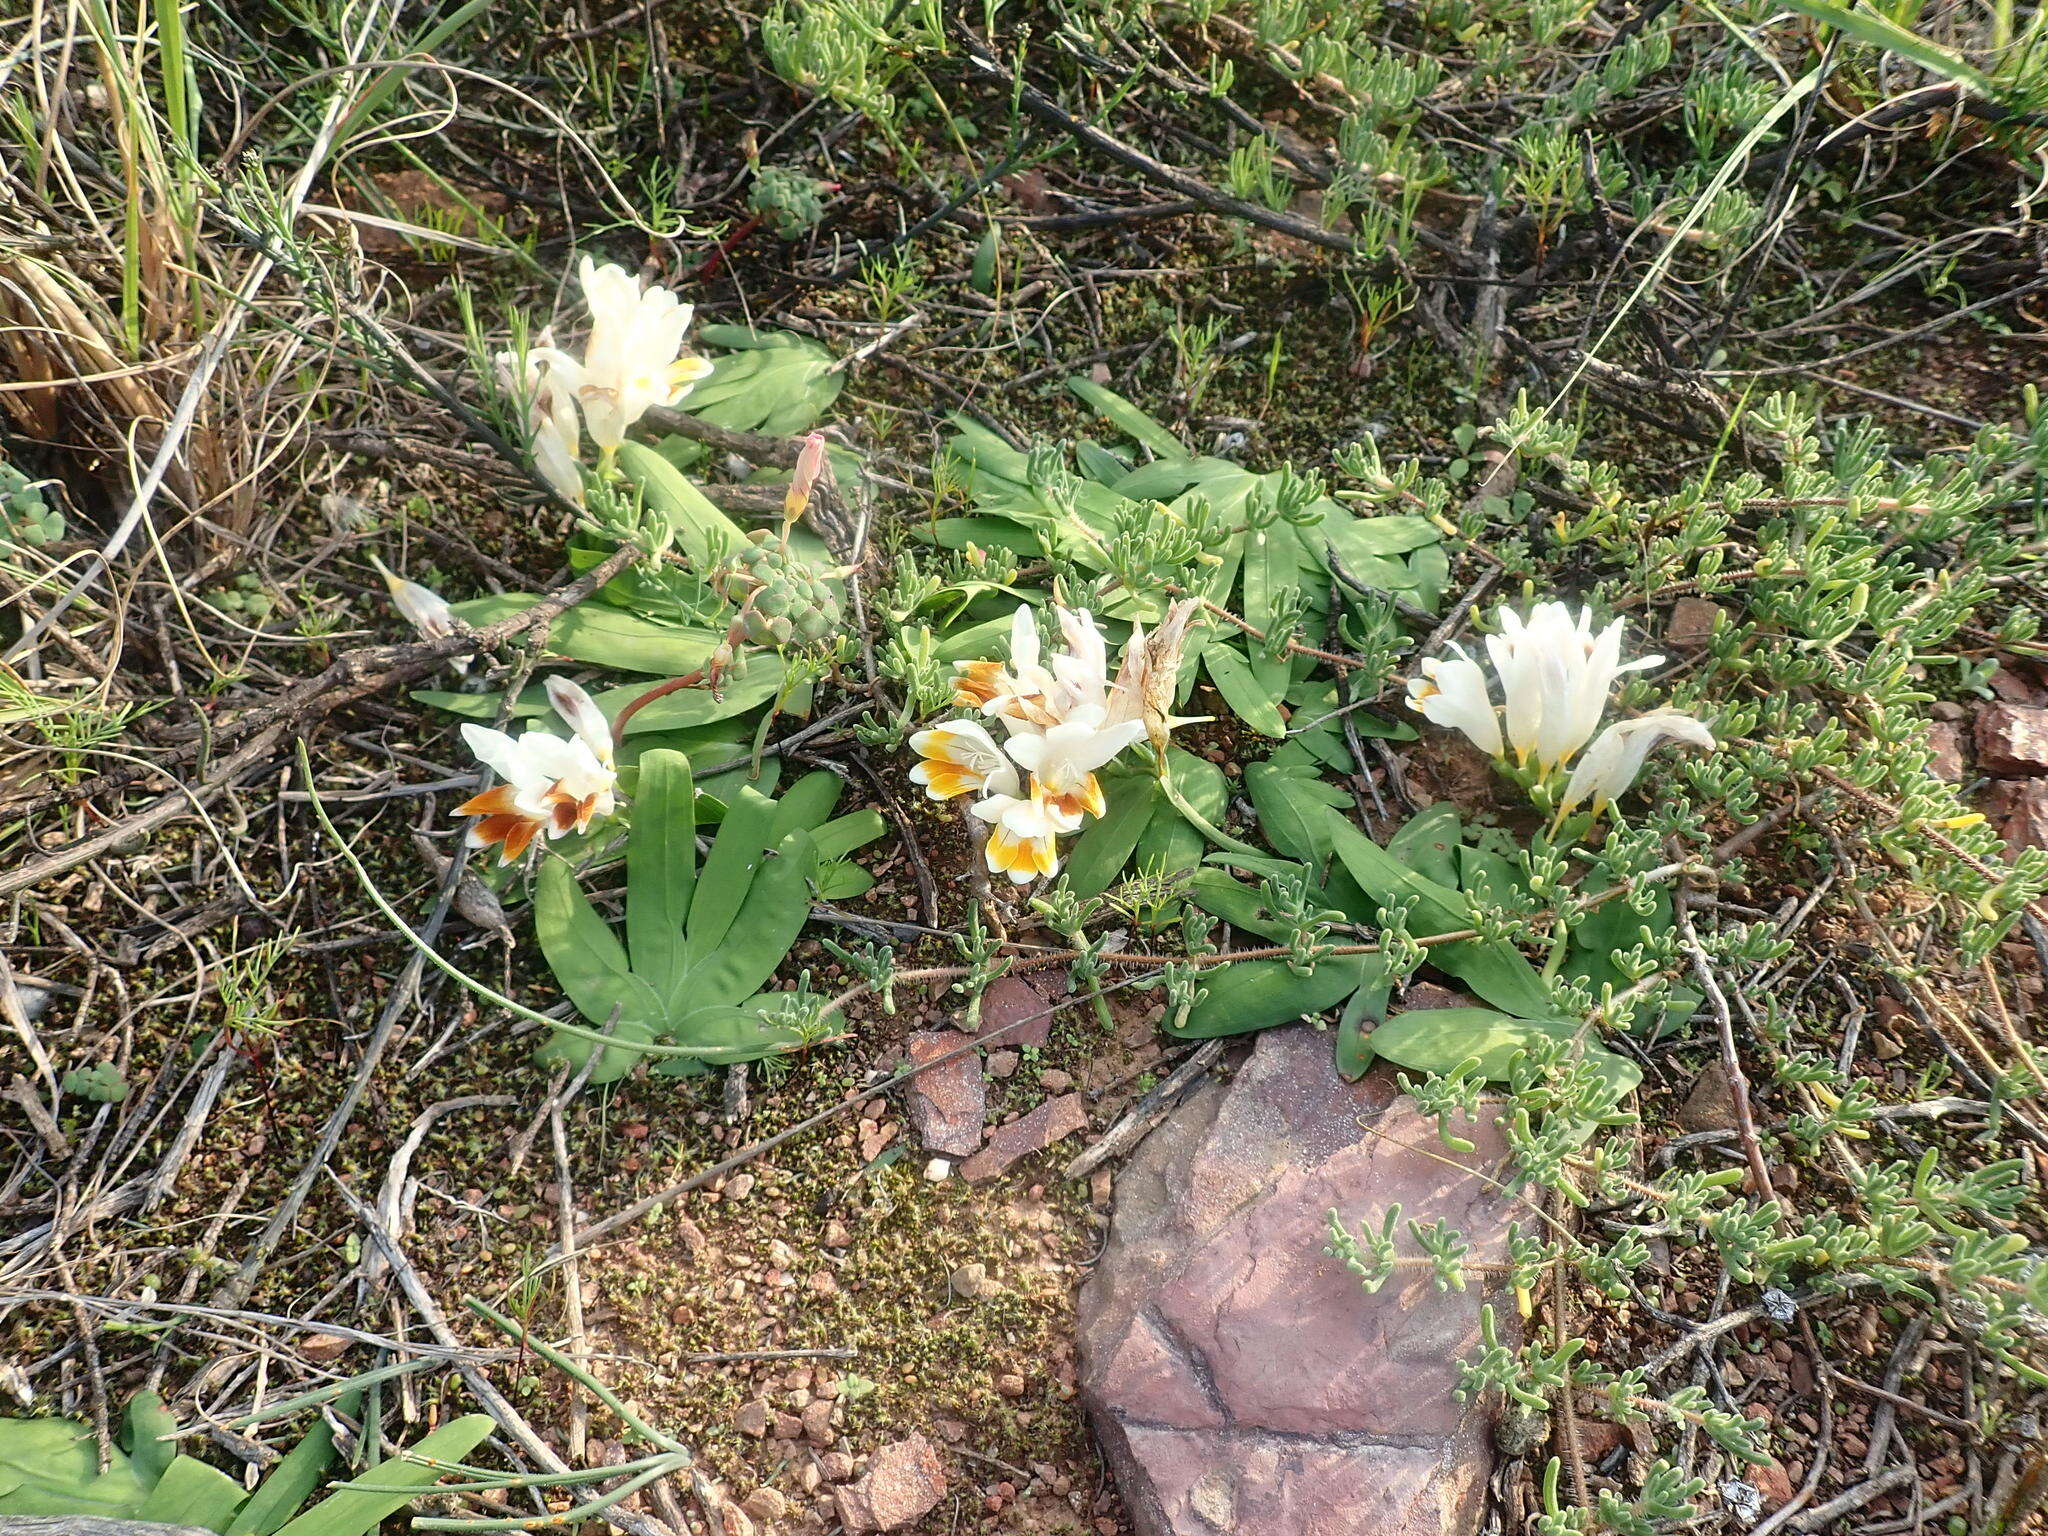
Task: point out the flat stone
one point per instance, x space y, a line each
1947 741
1011 1000
948 1104
1239 1378
1710 1105
2018 811
2012 739
1034 1132
902 1482
1691 624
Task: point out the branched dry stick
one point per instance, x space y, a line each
353 676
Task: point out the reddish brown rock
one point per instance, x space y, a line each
902 1482
1239 1378
751 1418
1691 624
948 1103
1035 1132
1947 742
1012 1000
2012 739
2018 812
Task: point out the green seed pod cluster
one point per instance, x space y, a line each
25 517
785 599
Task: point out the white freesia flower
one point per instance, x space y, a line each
961 758
1023 694
421 607
546 382
550 785
1064 717
631 362
1063 758
1454 693
1023 838
1617 755
1555 675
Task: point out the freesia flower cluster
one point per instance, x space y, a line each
631 363
1063 717
548 785
1555 675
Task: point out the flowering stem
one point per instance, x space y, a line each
658 691
1195 818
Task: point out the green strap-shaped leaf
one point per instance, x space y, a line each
1496 970
292 1481
661 870
1254 703
356 1511
1437 1039
1257 994
807 804
1100 853
192 1493
1293 809
586 956
142 1431
602 635
1428 843
841 835
1128 419
777 906
733 1032
728 874
1880 31
704 535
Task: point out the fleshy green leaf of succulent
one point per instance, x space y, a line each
784 598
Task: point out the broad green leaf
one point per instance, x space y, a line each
355 1511
291 1482
1098 463
1293 809
51 1467
1366 1006
842 880
1241 690
777 906
1272 566
758 679
1382 536
1258 994
724 1033
1127 418
1497 971
977 642
806 804
773 382
1100 853
586 956
1235 902
192 1493
602 636
563 1049
143 1427
728 874
661 870
840 836
704 536
1428 843
1438 1039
